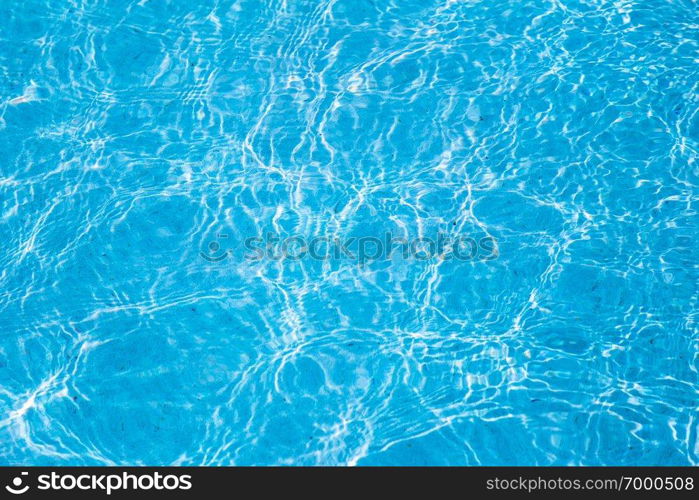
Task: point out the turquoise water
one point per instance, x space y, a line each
166 166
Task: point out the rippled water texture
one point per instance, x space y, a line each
143 141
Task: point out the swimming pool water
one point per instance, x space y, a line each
146 144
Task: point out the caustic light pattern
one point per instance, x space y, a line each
143 142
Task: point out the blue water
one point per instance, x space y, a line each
145 142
